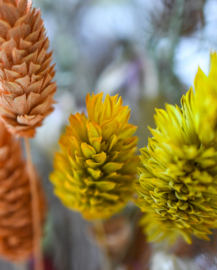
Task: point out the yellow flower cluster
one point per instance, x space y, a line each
96 167
178 181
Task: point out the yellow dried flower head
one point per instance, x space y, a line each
26 87
95 171
178 181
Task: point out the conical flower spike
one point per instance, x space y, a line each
26 87
178 181
96 168
16 221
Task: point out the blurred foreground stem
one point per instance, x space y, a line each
101 238
38 258
20 266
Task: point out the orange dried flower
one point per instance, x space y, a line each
26 90
16 218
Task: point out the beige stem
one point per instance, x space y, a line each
20 266
35 209
101 238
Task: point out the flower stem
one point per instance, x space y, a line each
38 258
20 266
101 238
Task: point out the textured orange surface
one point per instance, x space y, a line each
26 90
16 229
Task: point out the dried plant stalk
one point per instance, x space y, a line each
37 230
101 239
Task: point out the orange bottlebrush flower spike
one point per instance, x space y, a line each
26 90
16 228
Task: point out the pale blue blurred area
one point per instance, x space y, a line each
194 51
87 36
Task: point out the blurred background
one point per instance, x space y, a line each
146 51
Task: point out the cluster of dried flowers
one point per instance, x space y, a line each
96 169
177 188
26 97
